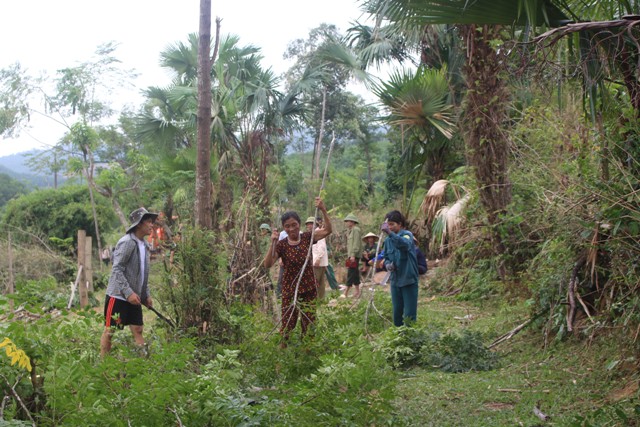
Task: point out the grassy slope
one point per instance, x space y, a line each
566 380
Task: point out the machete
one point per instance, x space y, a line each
169 322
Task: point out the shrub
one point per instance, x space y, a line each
408 346
461 352
56 213
41 295
195 288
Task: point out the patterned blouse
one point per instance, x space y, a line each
293 257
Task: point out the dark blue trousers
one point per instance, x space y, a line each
405 303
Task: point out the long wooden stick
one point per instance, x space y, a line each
315 215
313 229
515 330
19 400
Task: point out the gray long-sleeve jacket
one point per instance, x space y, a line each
125 274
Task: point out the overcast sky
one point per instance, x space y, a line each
46 35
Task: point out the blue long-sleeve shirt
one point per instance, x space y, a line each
399 249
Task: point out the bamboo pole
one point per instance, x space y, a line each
313 229
74 286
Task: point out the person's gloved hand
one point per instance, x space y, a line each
390 266
385 228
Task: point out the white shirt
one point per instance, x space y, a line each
319 250
142 250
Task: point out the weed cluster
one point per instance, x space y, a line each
408 346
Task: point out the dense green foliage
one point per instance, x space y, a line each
556 249
340 376
56 212
430 348
10 188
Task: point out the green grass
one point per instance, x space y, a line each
568 381
340 374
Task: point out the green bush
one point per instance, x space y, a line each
57 213
41 295
409 346
195 288
461 352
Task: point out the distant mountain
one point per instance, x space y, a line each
17 162
15 166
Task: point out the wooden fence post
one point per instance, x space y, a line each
88 266
82 284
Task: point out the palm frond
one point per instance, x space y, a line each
340 54
419 100
481 12
448 223
434 198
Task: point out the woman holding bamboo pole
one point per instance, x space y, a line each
298 282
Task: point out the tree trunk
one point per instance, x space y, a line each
121 215
367 156
203 163
485 119
10 281
91 184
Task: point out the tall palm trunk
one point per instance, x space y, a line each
203 164
484 125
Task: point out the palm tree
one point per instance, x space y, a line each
485 117
203 166
481 25
247 114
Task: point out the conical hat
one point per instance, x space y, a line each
366 236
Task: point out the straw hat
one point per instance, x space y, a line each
352 217
366 236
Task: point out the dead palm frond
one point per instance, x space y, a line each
448 222
434 198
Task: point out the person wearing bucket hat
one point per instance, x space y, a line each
320 257
128 284
354 251
368 251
